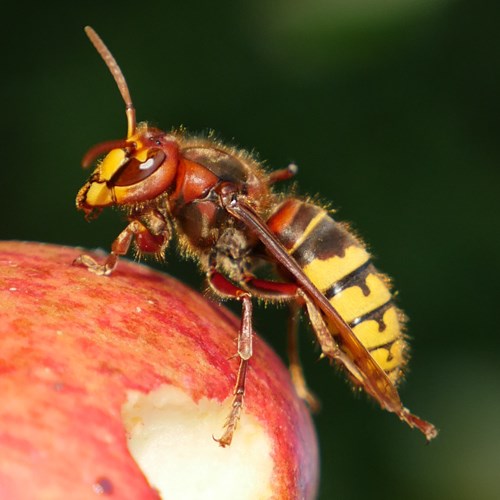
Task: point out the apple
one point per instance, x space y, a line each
116 386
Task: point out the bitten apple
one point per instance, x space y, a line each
116 386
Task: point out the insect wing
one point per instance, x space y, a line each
360 363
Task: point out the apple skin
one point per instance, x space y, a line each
72 344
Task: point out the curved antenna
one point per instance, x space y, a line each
117 75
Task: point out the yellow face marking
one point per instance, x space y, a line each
98 195
352 303
113 160
142 154
312 224
324 273
370 336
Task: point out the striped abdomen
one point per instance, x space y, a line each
340 267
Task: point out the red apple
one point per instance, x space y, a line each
116 386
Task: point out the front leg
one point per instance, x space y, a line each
152 235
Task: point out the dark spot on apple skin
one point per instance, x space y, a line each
58 386
103 486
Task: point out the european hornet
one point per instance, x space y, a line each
221 205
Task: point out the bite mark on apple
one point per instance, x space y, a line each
170 437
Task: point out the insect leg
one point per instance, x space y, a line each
296 371
283 174
272 290
329 347
224 287
150 237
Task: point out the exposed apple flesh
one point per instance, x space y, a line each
93 366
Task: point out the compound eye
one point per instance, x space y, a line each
134 170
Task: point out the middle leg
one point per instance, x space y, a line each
225 288
273 290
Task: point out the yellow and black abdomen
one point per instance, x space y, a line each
340 267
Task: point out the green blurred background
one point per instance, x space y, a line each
391 109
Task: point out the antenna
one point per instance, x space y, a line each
117 75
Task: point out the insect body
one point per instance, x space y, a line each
221 205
